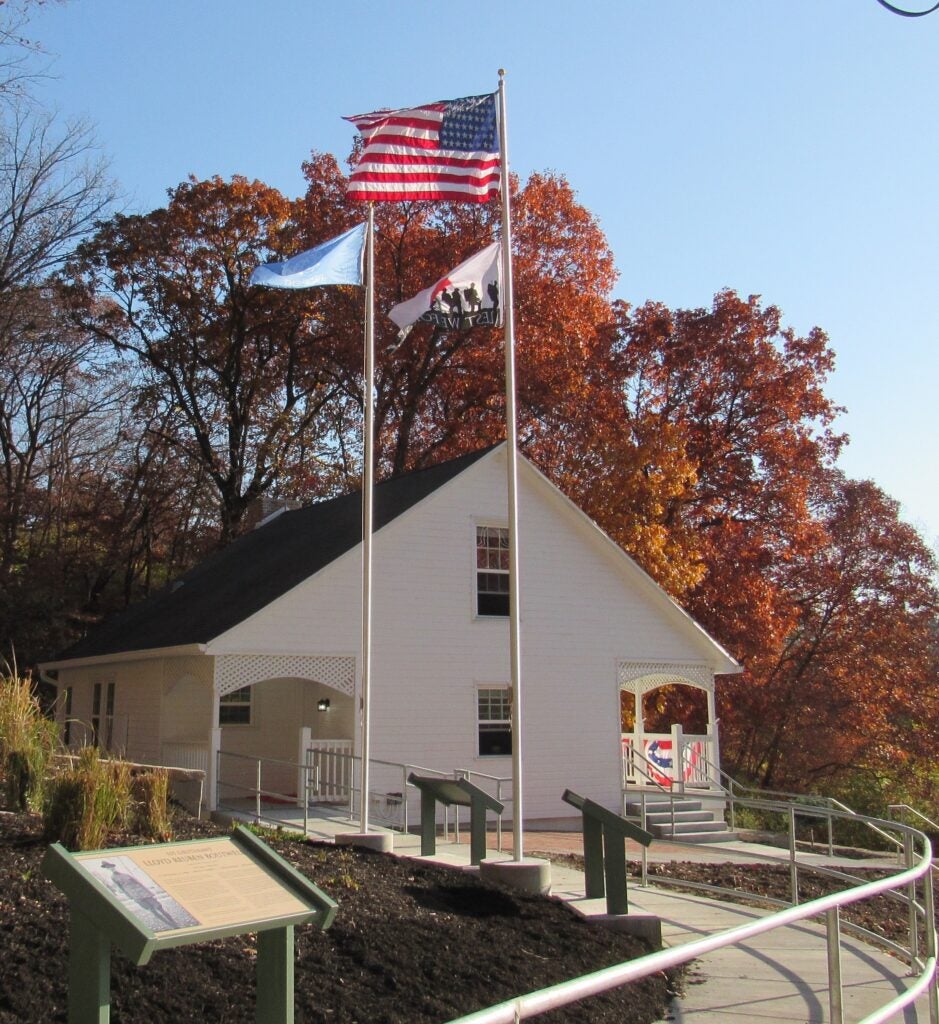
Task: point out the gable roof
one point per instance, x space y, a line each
259 567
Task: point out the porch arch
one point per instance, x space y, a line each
233 671
642 677
645 676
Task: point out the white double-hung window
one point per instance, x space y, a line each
492 570
235 708
494 720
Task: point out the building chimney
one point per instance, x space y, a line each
264 508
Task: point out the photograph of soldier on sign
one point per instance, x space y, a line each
148 902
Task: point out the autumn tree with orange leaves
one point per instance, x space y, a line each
809 579
263 389
852 685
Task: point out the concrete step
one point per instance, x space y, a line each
695 820
700 838
692 826
691 831
633 808
666 818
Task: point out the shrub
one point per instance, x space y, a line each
28 741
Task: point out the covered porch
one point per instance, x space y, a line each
682 754
274 708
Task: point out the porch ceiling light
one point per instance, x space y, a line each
323 705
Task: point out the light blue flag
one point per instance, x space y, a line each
338 261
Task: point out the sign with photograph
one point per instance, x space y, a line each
209 883
142 899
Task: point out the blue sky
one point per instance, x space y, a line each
783 148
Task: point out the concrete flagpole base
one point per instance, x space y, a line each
643 926
529 875
380 842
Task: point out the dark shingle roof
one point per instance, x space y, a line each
259 567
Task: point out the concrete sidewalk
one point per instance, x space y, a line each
780 976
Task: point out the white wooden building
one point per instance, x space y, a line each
261 642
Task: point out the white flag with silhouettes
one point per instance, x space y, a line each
470 295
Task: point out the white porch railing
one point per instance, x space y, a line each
329 772
188 756
673 760
326 777
185 754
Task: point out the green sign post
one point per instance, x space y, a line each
605 850
463 794
142 899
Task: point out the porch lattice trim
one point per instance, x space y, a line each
643 676
233 671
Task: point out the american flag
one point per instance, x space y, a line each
445 150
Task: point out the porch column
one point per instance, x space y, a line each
678 758
639 726
215 745
715 745
715 751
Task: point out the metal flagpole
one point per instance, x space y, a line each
368 468
512 464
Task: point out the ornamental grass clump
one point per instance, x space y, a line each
28 741
150 794
88 800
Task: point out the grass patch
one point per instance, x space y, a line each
28 741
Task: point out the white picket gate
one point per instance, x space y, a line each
326 769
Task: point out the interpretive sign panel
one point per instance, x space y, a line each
203 884
146 898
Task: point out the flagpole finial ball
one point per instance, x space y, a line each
502 72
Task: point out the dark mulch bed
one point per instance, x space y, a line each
411 943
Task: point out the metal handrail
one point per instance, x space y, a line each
257 791
916 814
805 802
562 994
406 770
650 775
667 791
907 809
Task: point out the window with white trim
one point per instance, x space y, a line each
494 720
235 708
492 570
102 715
67 713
